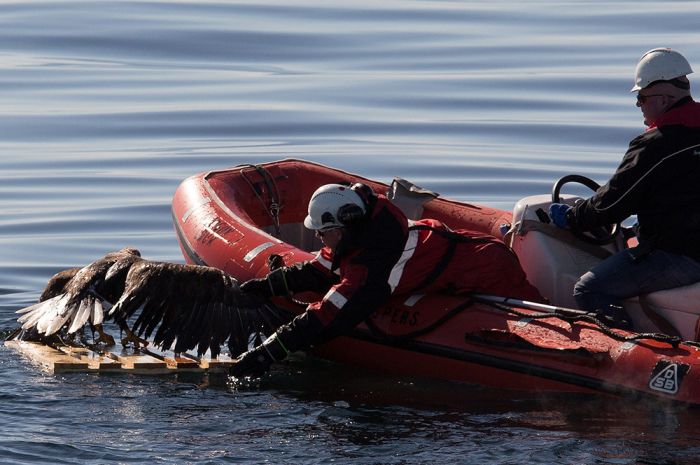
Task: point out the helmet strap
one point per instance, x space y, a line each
369 198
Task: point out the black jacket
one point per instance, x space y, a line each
355 282
659 181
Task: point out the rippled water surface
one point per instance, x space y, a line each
106 106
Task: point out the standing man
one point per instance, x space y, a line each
659 181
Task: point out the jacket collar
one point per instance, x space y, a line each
684 112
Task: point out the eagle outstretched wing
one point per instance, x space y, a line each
188 306
182 307
75 297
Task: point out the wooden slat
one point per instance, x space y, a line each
178 361
142 362
95 360
221 364
154 361
48 358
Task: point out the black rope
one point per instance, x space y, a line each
274 262
440 267
273 209
672 340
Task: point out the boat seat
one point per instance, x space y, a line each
679 306
682 299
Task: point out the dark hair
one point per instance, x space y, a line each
676 82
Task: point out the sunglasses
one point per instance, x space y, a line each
642 99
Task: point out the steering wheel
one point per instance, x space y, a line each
598 236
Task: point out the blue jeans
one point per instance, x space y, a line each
622 276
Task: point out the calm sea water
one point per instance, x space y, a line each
106 106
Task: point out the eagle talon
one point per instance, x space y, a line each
134 339
103 338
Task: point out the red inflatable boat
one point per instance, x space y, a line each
235 219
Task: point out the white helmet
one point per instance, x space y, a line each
334 206
659 64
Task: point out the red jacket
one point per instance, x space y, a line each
419 267
388 254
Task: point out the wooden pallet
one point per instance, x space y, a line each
150 361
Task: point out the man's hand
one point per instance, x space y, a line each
274 284
255 362
557 212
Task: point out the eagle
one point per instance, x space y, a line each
182 306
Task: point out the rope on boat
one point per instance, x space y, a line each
582 316
674 341
274 206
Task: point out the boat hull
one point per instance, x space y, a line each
235 219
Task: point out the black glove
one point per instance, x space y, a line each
274 284
259 287
255 363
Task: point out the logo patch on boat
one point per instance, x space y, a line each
667 376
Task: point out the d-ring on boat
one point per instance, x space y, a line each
240 219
